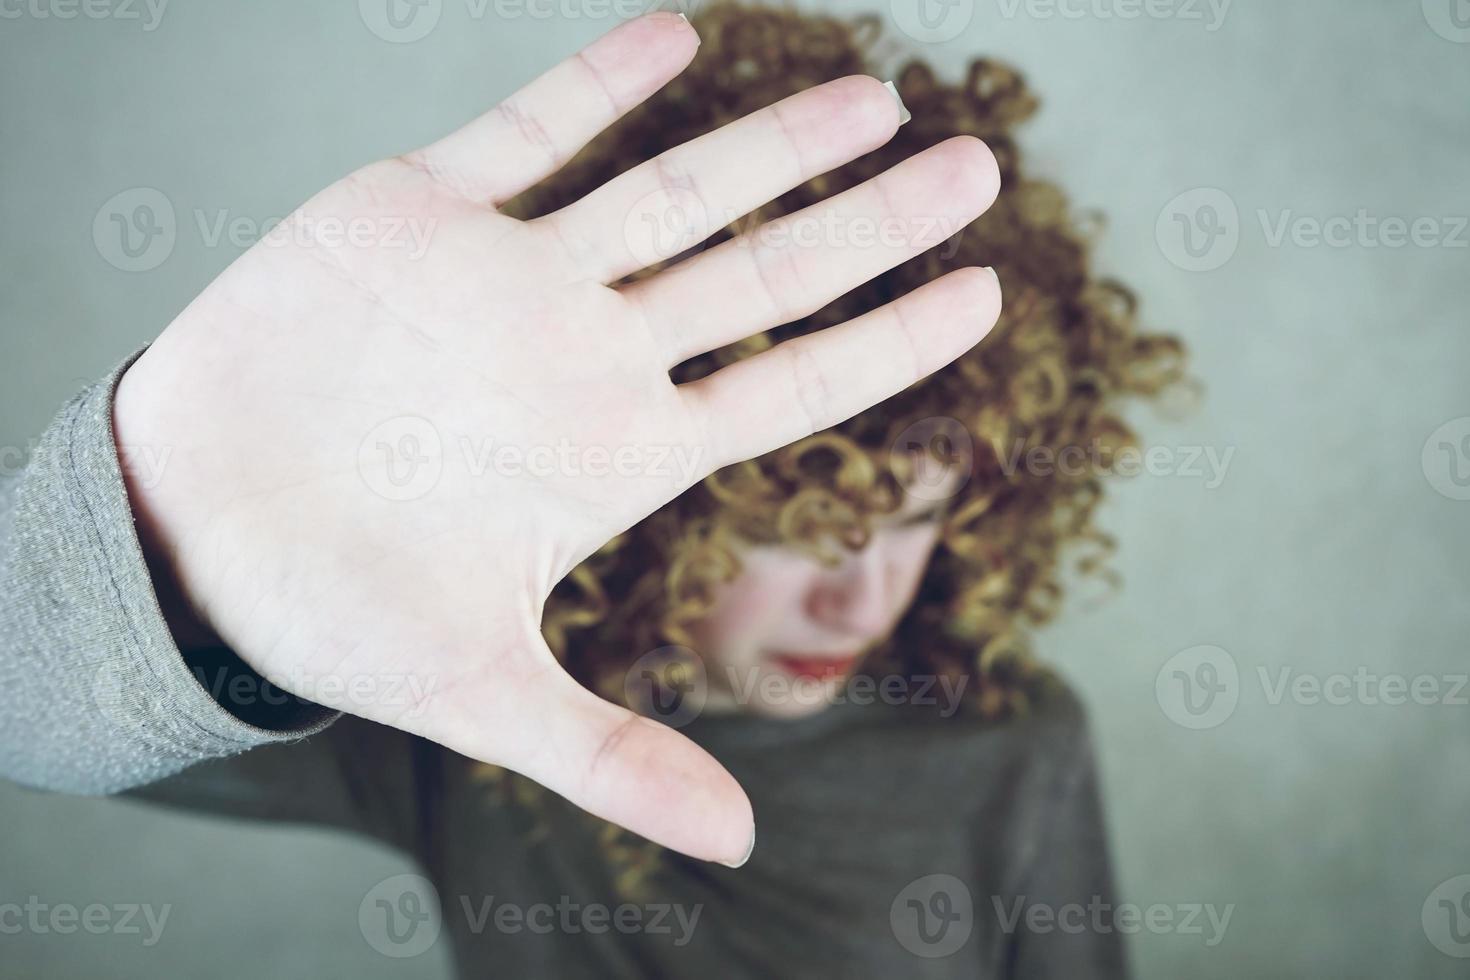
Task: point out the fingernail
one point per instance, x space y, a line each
685 18
903 111
748 852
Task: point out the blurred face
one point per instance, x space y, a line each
787 631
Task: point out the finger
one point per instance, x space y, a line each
817 380
676 200
646 777
793 266
531 134
528 715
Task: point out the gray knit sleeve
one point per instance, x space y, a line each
95 696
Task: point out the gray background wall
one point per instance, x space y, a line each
1333 545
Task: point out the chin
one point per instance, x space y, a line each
787 710
793 698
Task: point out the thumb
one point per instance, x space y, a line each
644 776
615 764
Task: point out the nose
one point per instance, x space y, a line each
853 598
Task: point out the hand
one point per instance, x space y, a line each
333 505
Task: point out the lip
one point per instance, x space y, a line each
814 666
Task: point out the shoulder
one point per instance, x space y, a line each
1057 709
1048 733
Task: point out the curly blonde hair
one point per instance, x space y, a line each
1066 351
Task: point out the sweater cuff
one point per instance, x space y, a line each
142 682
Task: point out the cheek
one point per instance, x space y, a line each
908 557
766 591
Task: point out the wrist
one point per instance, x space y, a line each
135 440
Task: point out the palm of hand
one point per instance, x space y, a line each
396 445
